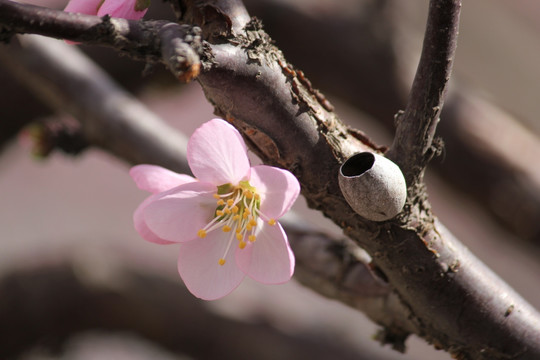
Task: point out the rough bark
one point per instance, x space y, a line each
372 77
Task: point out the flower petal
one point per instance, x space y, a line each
217 153
278 189
121 9
140 223
269 259
198 266
177 214
89 7
156 179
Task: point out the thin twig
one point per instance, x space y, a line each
176 46
413 142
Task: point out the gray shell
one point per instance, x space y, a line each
373 186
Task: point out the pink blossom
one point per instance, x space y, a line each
127 9
225 218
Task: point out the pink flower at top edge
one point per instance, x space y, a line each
126 9
225 219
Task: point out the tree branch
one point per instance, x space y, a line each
290 126
176 46
337 273
413 142
66 80
370 78
47 305
451 296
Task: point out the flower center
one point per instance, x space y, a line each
237 212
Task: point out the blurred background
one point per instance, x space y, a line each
77 282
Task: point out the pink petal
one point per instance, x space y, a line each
89 7
198 266
156 179
217 153
140 224
121 9
177 214
269 259
278 189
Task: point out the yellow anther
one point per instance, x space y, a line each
245 215
252 222
272 222
252 238
230 202
221 262
226 228
201 233
248 194
242 244
235 209
219 212
227 211
236 217
257 196
249 227
239 236
221 202
216 196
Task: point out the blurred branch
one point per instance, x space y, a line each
48 304
66 80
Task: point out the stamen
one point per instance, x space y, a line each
237 212
226 250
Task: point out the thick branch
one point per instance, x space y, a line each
480 139
290 125
412 147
